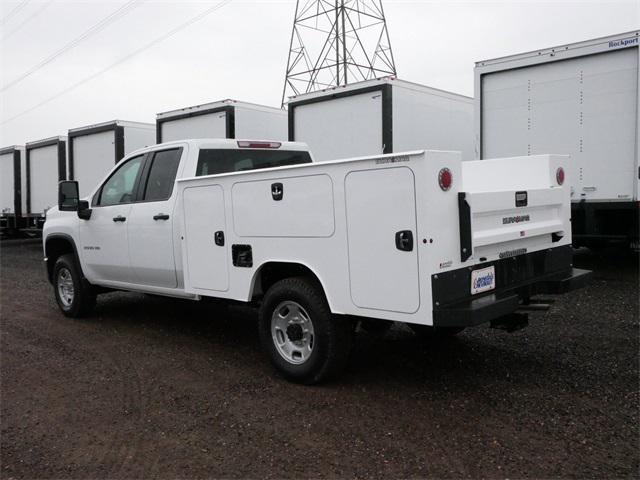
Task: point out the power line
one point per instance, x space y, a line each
31 17
101 25
14 11
153 43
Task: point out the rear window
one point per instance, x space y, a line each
214 161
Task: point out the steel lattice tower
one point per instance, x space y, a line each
335 42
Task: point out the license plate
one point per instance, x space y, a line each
483 280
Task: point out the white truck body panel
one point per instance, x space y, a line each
382 116
358 205
580 99
223 119
94 149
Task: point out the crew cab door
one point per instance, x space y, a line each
104 240
151 225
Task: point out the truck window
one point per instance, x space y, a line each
119 187
214 161
162 175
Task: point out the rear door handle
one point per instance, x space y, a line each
119 218
404 240
161 216
219 238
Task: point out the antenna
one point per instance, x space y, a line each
336 42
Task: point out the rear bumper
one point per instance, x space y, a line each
519 277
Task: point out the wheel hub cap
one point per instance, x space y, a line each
292 332
66 290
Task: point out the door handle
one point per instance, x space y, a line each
219 238
119 218
161 216
404 240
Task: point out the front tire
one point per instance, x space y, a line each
73 295
305 342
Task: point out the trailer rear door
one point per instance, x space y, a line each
342 127
585 107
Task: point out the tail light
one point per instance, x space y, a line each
249 144
445 179
560 175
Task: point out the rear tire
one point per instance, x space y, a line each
304 340
73 294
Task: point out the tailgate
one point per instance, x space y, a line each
503 224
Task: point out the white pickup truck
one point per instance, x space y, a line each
418 237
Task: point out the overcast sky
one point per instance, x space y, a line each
240 51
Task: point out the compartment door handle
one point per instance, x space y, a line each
404 240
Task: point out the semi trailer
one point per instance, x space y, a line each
46 165
579 99
385 115
417 237
95 149
222 119
12 188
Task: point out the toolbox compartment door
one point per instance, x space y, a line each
206 261
381 229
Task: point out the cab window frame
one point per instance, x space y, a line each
97 197
146 171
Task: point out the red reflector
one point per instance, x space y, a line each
445 179
246 144
560 175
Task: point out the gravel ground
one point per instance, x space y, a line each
151 387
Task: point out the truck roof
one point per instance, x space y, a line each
228 143
391 80
632 36
217 104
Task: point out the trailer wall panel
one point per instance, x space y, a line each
7 190
585 106
260 124
210 125
43 178
433 121
343 127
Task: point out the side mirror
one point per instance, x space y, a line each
68 196
84 212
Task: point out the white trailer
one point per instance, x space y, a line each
95 149
222 119
46 165
579 99
381 116
12 187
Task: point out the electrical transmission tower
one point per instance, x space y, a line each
335 42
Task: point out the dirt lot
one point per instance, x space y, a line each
152 387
